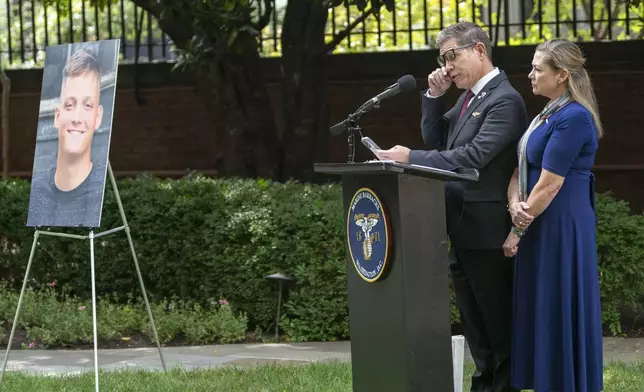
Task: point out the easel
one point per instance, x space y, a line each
91 238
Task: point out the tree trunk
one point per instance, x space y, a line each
250 146
306 121
6 92
236 95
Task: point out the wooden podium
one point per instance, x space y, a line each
397 270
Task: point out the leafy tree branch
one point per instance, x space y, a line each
339 37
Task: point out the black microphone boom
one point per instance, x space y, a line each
404 84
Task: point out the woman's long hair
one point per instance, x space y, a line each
564 54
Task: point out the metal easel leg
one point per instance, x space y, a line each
94 323
22 292
136 264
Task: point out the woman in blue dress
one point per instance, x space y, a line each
557 331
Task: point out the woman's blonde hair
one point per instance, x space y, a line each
563 54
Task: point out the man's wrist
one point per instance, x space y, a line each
429 94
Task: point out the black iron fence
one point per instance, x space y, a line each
32 25
415 23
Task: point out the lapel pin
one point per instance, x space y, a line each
475 114
482 95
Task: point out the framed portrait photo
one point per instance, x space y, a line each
73 135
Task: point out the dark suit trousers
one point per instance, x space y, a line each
482 280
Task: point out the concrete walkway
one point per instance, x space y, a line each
76 361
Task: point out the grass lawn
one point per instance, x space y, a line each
317 377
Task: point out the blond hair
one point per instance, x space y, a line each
563 54
81 62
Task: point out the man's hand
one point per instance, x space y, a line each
439 81
511 245
397 153
520 218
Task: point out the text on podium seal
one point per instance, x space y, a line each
368 234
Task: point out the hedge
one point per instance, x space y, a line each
51 318
200 239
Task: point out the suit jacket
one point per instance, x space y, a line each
485 138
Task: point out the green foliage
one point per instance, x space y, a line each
52 317
218 27
63 5
415 24
620 245
45 24
365 36
199 239
233 24
216 41
552 10
228 25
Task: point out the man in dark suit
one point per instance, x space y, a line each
481 131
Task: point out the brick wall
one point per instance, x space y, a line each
173 121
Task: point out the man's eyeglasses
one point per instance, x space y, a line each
450 55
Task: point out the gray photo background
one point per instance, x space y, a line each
47 135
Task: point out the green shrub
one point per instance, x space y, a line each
198 239
620 246
53 317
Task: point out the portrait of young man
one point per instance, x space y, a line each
68 192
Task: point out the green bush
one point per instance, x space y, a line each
52 317
620 246
200 239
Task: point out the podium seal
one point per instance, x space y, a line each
368 234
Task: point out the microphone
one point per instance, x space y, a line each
404 84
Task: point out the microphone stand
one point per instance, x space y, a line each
351 126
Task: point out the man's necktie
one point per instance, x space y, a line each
468 98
